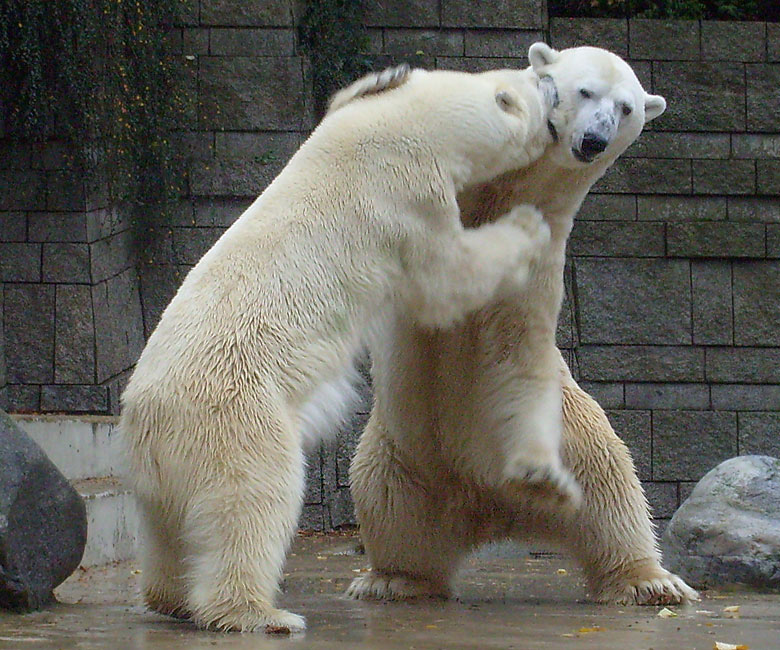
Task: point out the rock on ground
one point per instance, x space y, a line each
728 530
43 522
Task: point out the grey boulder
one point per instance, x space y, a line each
728 530
43 522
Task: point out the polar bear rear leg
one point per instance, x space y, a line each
238 529
410 541
618 552
162 568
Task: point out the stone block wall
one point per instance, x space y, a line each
672 312
71 326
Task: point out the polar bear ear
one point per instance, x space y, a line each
540 54
654 106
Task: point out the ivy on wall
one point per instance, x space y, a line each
95 74
333 35
768 10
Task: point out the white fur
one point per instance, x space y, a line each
363 220
455 410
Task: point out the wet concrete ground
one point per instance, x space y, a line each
507 600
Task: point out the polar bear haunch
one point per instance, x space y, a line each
363 220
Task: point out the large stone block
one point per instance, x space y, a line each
768 176
43 522
249 93
753 209
23 398
763 107
475 63
617 239
57 227
74 350
659 40
728 530
608 207
74 399
28 312
219 211
662 497
190 244
403 13
724 240
251 42
66 190
20 262
744 397
680 145
634 428
724 177
640 363
743 365
687 444
64 262
111 256
773 41
680 208
713 321
733 41
756 304
158 286
504 14
609 395
13 226
22 190
773 241
608 33
118 324
413 42
646 176
758 433
668 396
755 145
630 301
701 96
513 43
272 13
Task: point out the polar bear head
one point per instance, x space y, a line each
601 107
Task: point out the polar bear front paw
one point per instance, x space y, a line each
655 586
380 586
531 222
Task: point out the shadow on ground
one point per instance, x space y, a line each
507 600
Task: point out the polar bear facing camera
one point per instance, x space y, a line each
362 221
452 409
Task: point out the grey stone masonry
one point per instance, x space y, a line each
671 318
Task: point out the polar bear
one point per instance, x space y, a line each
429 474
252 348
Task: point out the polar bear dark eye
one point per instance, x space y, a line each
627 110
586 93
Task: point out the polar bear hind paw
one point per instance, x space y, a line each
664 589
381 586
253 619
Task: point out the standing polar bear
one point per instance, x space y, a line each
261 335
451 406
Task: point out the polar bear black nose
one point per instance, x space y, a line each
593 144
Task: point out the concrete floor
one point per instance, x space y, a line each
507 600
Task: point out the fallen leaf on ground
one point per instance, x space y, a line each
732 611
719 645
667 613
588 630
562 572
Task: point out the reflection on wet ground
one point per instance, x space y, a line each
507 600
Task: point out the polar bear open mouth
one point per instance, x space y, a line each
582 157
